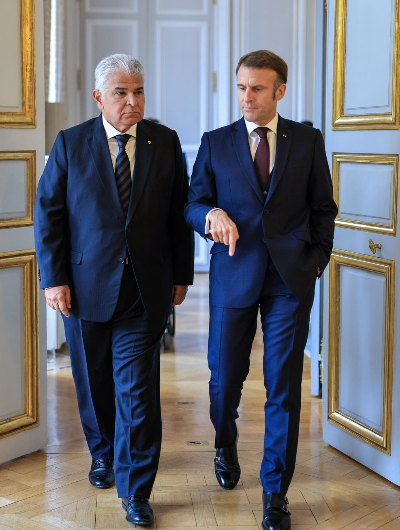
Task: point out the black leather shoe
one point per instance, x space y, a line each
138 510
227 468
101 474
276 516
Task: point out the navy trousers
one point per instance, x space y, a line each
285 323
116 370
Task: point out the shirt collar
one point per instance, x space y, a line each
111 131
272 125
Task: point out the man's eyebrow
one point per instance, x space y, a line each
124 88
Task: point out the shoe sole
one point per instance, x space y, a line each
146 523
265 528
102 487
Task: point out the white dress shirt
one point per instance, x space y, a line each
111 133
254 140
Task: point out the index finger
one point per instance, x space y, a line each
232 244
63 307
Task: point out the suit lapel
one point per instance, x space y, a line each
283 140
98 146
241 144
143 157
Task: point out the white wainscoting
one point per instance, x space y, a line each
118 6
181 7
372 67
12 373
10 56
13 188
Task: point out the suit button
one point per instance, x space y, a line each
121 260
266 212
128 229
265 192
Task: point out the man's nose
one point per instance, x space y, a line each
131 100
247 95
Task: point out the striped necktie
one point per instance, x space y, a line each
123 172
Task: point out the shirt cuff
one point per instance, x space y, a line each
207 227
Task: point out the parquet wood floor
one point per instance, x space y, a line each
49 490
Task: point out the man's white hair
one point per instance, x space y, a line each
119 62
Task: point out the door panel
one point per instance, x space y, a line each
362 389
22 327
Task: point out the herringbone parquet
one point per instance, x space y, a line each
49 490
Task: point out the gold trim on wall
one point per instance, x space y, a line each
379 440
30 157
30 418
340 120
362 158
26 118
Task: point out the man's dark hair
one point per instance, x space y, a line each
266 59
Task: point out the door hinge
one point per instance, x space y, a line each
326 5
79 79
214 81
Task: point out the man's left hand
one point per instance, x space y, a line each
178 294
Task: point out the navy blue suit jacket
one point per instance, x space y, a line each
81 233
294 223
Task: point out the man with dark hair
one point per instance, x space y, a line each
114 253
265 179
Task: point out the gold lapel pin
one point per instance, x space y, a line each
149 142
284 135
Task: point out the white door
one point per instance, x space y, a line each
362 294
22 309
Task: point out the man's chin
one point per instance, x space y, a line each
250 115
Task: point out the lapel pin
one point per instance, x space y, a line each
149 142
284 135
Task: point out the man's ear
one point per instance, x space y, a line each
99 98
280 92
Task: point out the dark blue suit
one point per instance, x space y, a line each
118 310
286 233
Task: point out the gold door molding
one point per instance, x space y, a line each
363 158
30 418
30 158
340 120
26 118
379 440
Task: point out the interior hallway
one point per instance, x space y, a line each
49 490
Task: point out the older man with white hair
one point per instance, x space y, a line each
114 254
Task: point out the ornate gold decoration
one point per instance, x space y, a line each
373 246
340 120
26 118
30 418
379 440
30 157
363 158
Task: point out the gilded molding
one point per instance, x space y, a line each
30 158
26 118
30 418
340 120
379 440
363 158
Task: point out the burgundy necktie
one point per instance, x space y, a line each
261 159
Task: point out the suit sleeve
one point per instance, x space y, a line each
50 220
323 209
202 191
181 234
